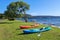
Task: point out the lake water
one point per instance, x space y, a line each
45 20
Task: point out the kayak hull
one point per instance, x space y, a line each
37 30
25 27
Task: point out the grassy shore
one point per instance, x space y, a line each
9 30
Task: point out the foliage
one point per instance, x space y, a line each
2 16
15 8
22 15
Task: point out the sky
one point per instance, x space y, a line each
37 7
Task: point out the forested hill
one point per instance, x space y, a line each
45 16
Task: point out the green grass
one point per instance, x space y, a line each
9 30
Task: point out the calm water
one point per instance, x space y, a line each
51 20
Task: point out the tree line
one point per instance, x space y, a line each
2 16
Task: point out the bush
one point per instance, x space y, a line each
11 19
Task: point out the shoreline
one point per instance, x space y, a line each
55 26
50 25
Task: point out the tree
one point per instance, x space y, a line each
17 8
1 16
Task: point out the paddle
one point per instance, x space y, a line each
39 35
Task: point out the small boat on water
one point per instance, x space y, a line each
37 30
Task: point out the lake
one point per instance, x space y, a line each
45 20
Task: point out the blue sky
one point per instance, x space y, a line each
37 7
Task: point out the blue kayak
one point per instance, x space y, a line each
37 30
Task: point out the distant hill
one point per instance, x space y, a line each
30 16
45 16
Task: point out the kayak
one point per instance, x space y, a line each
25 27
37 30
